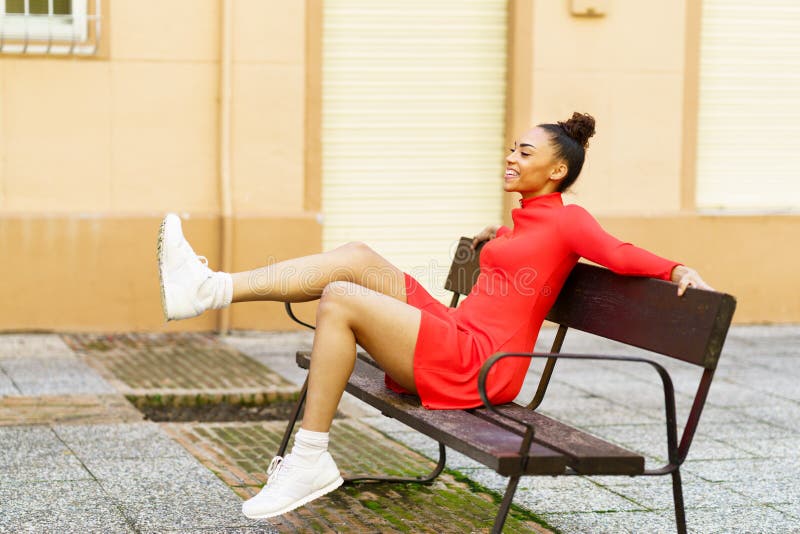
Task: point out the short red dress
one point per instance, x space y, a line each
521 273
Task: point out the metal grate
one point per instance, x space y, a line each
56 27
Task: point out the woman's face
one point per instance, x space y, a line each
531 166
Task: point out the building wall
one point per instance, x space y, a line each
93 152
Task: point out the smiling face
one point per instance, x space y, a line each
532 167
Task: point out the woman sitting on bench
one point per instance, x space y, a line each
424 347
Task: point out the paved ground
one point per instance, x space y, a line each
75 455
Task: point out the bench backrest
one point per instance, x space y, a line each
642 312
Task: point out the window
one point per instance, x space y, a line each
48 26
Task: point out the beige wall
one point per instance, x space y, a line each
626 69
94 150
636 70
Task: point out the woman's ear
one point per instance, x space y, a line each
559 171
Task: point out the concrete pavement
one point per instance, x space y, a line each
76 455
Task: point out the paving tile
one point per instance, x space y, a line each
744 519
634 522
127 476
7 386
792 510
728 393
735 432
655 493
54 468
135 440
33 345
99 517
270 342
25 445
66 409
767 491
53 376
20 497
744 469
651 441
581 496
777 412
188 511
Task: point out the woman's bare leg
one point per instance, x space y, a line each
350 313
303 279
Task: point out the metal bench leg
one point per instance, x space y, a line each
287 435
298 408
505 506
677 495
427 479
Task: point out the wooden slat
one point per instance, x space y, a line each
465 267
586 454
462 431
645 313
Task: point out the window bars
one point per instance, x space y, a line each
49 27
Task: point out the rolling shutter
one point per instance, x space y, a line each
749 111
413 127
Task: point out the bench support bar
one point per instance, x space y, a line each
677 496
505 506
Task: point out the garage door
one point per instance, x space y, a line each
413 127
749 113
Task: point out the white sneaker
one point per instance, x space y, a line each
188 286
291 483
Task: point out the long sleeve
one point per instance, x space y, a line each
584 235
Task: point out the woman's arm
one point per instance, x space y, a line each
686 277
586 237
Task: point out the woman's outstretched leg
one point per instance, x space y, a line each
189 287
348 313
303 279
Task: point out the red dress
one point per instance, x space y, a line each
521 273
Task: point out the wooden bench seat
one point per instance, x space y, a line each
469 434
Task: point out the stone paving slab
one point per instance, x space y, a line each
36 365
109 478
33 345
100 517
615 523
240 452
63 409
60 375
112 441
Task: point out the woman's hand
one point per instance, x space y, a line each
485 235
686 277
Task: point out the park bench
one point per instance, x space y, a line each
514 439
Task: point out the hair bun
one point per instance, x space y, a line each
580 127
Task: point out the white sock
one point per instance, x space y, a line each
217 291
309 445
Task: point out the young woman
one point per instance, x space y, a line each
424 347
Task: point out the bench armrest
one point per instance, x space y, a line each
294 318
669 395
